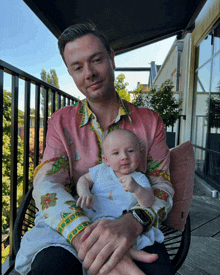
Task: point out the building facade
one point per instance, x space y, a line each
193 64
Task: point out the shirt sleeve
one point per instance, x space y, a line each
51 184
94 171
158 173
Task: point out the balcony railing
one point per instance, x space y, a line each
47 99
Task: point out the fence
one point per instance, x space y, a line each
47 100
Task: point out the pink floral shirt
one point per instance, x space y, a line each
74 144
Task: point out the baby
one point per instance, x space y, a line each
116 186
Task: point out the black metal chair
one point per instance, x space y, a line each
177 243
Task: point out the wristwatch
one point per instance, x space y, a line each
143 218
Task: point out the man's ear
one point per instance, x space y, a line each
105 159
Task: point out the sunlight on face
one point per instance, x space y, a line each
91 67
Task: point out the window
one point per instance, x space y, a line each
206 115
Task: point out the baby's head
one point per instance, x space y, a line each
121 151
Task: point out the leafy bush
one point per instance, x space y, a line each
161 101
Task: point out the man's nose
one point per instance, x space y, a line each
89 71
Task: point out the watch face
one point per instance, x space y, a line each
143 216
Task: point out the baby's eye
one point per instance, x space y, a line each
130 151
115 153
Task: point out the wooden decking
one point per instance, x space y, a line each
204 254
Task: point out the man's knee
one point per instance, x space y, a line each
55 260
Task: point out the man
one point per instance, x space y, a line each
73 146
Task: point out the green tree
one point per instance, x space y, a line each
162 101
120 87
52 79
32 111
139 97
6 158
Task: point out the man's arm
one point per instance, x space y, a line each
51 178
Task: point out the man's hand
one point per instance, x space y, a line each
85 199
129 184
105 243
127 267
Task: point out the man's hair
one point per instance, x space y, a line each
80 30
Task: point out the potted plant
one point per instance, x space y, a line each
162 101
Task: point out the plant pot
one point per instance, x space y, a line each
171 139
212 159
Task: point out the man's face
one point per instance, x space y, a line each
91 67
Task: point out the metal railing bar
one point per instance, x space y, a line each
17 74
64 101
59 101
68 101
26 135
53 99
14 146
36 126
45 116
205 149
179 128
13 70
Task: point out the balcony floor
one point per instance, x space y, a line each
204 253
205 241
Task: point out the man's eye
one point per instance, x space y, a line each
77 68
97 60
130 151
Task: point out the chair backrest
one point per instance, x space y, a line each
182 169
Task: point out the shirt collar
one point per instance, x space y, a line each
87 114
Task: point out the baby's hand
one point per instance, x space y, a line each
128 183
86 200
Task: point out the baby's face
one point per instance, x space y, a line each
122 153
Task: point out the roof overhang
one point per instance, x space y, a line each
127 24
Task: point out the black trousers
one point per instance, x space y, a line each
57 260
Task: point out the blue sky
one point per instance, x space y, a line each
27 44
